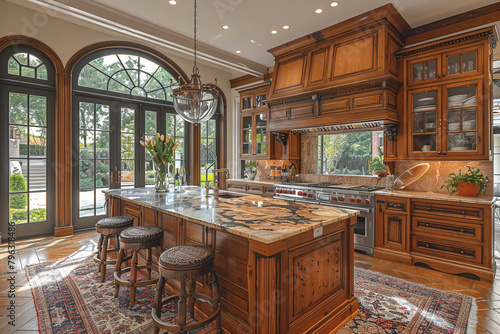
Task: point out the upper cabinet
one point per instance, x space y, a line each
254 113
448 98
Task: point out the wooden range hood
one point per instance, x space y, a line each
346 73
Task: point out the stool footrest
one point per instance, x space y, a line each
124 282
97 260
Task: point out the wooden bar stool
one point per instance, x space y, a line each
135 239
109 227
185 264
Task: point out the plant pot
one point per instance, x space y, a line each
467 189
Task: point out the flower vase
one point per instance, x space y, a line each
161 179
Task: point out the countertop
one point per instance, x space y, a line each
266 220
437 196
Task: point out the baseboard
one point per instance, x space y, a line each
63 230
391 255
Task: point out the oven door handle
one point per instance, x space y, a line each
367 210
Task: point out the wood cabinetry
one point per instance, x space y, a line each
254 115
453 237
448 98
392 236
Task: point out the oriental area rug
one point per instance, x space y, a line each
70 299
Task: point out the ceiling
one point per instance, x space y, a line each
250 21
254 20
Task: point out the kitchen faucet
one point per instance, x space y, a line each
216 180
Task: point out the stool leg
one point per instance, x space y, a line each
99 246
117 242
216 297
191 298
181 305
118 269
133 278
149 261
104 257
157 302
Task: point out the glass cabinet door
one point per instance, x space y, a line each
246 102
424 121
424 70
462 117
246 134
462 62
261 134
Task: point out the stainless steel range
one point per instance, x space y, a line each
361 198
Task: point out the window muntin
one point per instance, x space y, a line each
128 74
27 65
348 153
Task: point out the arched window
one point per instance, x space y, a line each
120 96
27 109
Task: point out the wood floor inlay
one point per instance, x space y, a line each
83 244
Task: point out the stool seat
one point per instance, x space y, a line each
115 222
187 257
141 233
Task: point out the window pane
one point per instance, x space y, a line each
179 126
107 64
19 167
13 66
34 61
86 144
37 142
41 73
38 110
150 123
102 173
37 174
18 141
211 128
91 77
350 153
86 202
18 204
128 122
102 145
22 58
127 168
102 116
27 72
86 174
38 207
86 115
127 145
18 108
170 124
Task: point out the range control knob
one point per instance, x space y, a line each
352 199
367 201
334 198
358 200
293 192
300 193
341 198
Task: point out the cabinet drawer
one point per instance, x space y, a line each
396 204
456 211
448 250
449 228
257 189
236 186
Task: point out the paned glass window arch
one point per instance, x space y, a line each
126 72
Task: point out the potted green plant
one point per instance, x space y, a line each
469 184
377 166
251 169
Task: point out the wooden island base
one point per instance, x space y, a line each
301 284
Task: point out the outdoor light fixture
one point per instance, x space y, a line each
196 102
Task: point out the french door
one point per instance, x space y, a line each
27 192
107 152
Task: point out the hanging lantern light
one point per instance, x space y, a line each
196 102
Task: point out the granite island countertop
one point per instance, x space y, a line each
263 219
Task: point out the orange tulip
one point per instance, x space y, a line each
158 135
162 137
142 143
168 138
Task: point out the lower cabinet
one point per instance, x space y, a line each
253 188
453 237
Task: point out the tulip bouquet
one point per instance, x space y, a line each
162 150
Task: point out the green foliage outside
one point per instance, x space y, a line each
203 178
18 183
347 153
21 215
35 150
37 215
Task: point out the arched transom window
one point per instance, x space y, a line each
27 65
128 74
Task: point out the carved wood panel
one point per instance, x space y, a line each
319 66
355 56
290 74
132 210
314 281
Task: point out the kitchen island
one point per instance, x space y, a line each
283 267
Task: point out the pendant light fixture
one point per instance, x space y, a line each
196 102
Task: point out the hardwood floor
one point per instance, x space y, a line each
83 244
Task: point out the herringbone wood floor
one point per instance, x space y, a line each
42 249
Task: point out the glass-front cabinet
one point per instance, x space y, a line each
445 120
461 62
247 130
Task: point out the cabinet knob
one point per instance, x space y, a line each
394 216
426 245
462 230
444 152
439 152
439 75
426 225
444 75
462 252
463 212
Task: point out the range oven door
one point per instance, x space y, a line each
364 234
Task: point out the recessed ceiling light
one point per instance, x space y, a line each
238 51
225 27
172 2
252 41
334 4
274 32
286 27
319 11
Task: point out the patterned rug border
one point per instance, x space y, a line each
471 324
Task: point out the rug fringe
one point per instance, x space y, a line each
472 321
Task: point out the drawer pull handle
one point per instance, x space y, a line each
462 230
426 225
427 245
463 212
462 252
